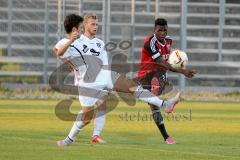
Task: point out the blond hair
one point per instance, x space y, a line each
89 15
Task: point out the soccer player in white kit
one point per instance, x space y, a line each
100 117
90 48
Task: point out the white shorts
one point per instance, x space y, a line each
90 93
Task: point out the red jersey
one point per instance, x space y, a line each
152 50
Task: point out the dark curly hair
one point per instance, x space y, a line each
71 21
160 22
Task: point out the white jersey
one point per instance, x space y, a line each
91 50
87 47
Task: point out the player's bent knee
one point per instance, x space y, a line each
132 89
86 122
131 86
87 119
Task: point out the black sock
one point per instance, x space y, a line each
158 119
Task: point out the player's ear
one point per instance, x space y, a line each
85 22
74 29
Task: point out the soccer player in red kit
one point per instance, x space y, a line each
153 69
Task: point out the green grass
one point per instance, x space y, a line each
29 130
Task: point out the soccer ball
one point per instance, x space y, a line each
178 59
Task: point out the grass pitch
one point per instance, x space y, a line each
29 130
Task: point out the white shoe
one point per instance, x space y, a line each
171 103
64 143
61 143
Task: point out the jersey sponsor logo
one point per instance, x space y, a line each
94 52
85 48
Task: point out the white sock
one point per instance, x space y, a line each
99 122
146 96
76 128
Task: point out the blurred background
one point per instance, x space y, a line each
208 30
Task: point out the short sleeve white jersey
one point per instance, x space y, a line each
84 47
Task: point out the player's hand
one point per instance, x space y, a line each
74 36
189 73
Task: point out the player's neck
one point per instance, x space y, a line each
161 41
89 35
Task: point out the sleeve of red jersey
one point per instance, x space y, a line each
151 48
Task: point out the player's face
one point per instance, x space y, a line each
91 26
79 29
161 31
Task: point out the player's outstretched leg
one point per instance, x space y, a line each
170 104
123 84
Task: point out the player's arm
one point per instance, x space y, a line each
55 50
153 51
61 50
186 72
